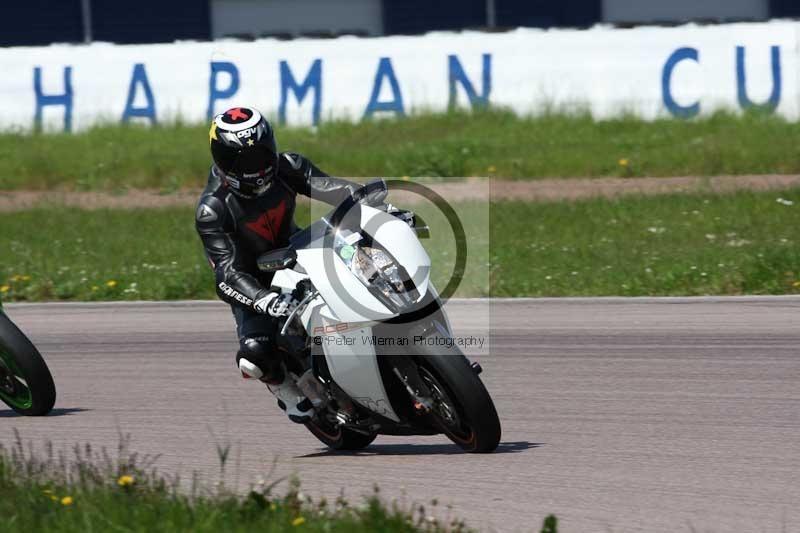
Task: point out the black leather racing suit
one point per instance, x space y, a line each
235 231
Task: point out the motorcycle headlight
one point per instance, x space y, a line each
377 270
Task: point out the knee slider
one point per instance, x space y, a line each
259 352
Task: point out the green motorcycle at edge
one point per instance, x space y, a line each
26 384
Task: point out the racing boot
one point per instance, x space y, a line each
298 408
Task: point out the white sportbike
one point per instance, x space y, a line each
369 343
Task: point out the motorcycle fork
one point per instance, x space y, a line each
404 367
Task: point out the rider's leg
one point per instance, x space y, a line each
258 358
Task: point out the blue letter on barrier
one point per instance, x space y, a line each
139 77
395 105
457 75
666 83
214 92
43 100
313 81
741 81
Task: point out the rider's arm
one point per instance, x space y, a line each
305 178
233 285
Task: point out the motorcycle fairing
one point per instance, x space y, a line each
353 363
343 313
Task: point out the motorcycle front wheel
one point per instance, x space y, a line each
462 407
26 384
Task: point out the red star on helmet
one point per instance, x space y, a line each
237 113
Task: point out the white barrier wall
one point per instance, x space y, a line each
648 71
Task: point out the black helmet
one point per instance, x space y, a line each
243 148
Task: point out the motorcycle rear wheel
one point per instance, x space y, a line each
340 438
26 384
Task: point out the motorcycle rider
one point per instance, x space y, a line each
246 210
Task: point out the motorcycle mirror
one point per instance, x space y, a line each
422 229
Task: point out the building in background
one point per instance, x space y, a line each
148 21
290 18
41 22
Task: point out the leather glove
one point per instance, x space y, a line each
276 305
374 193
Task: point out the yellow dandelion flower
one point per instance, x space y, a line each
16 277
795 284
4 288
111 283
25 278
299 521
624 162
125 481
95 287
273 507
66 500
491 169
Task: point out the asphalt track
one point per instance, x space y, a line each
618 415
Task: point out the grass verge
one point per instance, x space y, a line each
90 490
456 144
743 243
155 254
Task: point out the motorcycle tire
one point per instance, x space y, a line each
463 409
339 438
26 384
